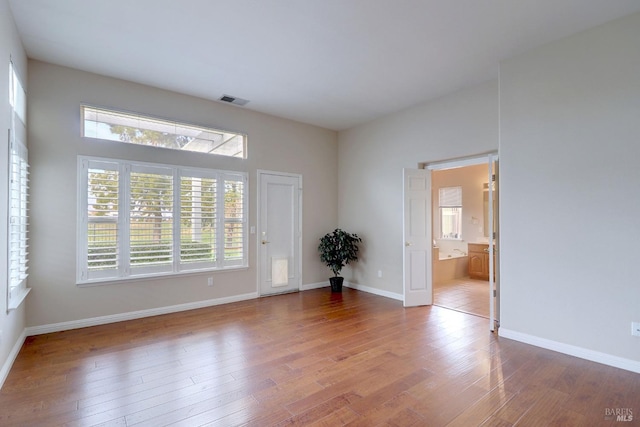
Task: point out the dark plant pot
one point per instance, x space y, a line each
336 283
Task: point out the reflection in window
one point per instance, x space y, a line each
132 128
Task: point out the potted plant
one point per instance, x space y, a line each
338 249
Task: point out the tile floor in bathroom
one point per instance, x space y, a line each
466 295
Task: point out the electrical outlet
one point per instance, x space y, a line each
635 329
210 281
379 273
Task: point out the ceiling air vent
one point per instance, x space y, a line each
233 100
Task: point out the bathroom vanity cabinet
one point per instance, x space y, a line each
479 261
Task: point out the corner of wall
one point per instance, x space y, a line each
12 323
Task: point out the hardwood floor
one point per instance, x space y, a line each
310 358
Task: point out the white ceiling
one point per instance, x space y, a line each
332 63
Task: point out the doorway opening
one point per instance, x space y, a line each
435 218
460 239
464 229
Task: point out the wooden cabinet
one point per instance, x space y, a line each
479 261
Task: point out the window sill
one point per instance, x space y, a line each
15 302
133 279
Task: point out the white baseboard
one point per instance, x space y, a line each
374 291
102 320
356 286
4 372
310 286
583 353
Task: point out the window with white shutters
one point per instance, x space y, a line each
198 219
18 216
142 219
150 219
234 219
18 204
102 225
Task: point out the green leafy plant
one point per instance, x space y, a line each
338 249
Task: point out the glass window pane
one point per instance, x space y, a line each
134 128
451 223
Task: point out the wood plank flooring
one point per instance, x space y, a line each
309 358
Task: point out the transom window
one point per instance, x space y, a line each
450 202
133 128
144 219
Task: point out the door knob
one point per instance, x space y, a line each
407 243
264 242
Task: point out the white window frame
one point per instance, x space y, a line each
125 271
18 195
201 139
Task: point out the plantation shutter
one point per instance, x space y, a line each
103 220
18 215
234 220
198 220
145 219
18 192
451 197
150 219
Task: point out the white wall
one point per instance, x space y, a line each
371 159
12 323
570 182
55 95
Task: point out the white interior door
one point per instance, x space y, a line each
418 286
279 233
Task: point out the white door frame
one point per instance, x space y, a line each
494 251
259 176
494 286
